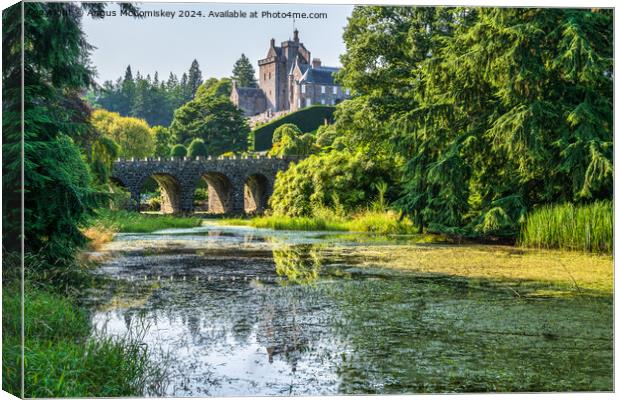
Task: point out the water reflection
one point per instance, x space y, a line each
257 313
300 264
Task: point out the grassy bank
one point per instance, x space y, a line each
584 228
127 221
367 221
61 358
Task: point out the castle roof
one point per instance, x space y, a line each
320 75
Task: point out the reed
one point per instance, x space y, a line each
587 228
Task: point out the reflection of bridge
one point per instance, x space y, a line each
236 184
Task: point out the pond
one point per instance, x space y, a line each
235 311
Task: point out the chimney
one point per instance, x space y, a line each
273 42
296 35
316 62
234 84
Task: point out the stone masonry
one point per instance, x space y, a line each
236 184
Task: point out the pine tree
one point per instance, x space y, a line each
194 79
243 72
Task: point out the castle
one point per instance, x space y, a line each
288 81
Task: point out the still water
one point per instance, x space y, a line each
235 311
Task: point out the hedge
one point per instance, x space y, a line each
307 120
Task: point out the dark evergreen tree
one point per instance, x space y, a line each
194 79
244 73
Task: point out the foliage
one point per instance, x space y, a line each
133 135
566 226
197 148
495 110
147 98
194 79
342 181
162 141
243 72
379 222
215 88
178 150
60 358
215 120
57 180
307 120
288 140
127 221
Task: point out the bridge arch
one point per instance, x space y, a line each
170 187
220 192
256 191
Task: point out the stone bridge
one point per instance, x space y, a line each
236 184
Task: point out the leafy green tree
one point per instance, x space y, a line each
495 110
215 120
197 148
163 141
214 87
133 135
243 72
178 150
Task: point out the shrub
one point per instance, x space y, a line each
197 148
341 181
178 150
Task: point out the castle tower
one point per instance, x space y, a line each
274 71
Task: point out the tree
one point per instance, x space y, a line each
55 71
178 150
197 148
495 110
215 120
163 141
214 87
244 73
194 79
133 135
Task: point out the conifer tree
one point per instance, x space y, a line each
243 72
194 79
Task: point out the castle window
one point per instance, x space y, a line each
270 75
323 89
335 90
308 102
265 76
299 103
347 92
303 88
323 101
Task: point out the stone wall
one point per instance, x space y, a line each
231 181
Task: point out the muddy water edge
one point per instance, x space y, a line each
244 311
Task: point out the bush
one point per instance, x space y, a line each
307 120
340 181
197 148
566 226
178 150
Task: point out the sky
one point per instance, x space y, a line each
167 45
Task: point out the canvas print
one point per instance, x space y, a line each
228 199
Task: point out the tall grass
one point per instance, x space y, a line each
60 357
380 222
127 221
586 228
